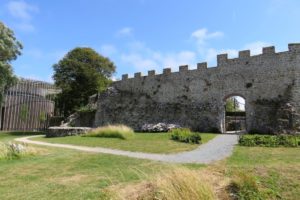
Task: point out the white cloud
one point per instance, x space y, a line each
126 31
202 35
139 62
173 60
108 50
114 78
256 47
143 58
210 55
23 12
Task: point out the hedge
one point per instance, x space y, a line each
185 135
270 140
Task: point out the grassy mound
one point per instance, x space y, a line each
111 131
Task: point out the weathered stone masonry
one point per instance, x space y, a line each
270 84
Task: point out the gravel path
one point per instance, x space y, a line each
218 148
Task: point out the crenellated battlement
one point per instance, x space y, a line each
223 60
196 98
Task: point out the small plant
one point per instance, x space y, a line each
185 135
111 131
86 109
269 140
10 151
245 187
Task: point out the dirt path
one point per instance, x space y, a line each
218 148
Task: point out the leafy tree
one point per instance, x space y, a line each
80 74
232 105
10 49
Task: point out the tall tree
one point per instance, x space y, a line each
10 49
80 74
232 105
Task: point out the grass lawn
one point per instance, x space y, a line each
142 142
276 169
58 173
65 174
8 136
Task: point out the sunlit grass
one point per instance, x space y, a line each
141 142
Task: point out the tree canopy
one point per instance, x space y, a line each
80 74
10 49
232 105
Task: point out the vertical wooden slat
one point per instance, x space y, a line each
13 107
32 96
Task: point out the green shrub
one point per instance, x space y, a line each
86 109
185 135
111 131
269 140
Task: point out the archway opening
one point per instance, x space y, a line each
235 114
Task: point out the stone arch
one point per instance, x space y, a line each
232 95
239 117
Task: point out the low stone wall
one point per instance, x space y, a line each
66 131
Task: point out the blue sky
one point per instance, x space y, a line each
140 35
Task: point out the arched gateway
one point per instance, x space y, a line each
269 82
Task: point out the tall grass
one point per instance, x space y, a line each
10 151
177 184
245 186
183 184
111 131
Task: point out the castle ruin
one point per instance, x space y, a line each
269 83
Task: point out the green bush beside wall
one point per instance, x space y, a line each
185 135
270 140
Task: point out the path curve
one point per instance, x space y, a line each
218 148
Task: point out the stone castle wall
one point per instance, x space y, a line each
269 82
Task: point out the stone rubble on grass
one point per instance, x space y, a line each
57 131
70 120
160 127
19 148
